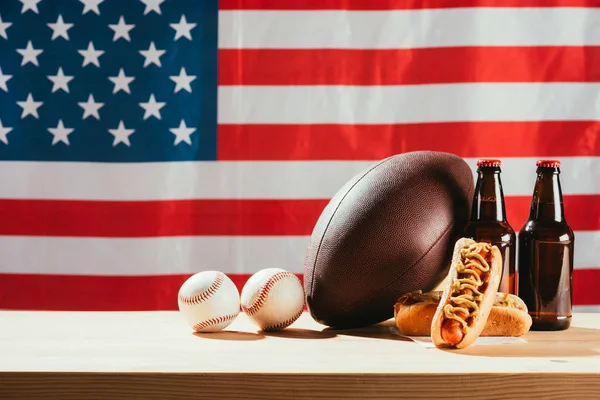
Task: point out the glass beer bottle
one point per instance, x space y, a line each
546 244
488 221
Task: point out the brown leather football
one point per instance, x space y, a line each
388 231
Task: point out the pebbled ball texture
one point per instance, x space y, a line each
388 231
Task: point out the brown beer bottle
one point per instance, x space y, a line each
488 221
545 249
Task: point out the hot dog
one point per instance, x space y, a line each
414 311
469 294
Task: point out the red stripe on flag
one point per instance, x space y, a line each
214 217
141 293
392 4
158 218
95 293
586 287
581 211
408 66
375 142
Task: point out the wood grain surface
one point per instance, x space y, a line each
155 355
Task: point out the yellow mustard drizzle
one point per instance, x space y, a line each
505 301
467 304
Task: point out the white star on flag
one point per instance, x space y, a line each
90 107
183 133
60 133
59 28
91 5
121 134
30 107
3 79
60 81
183 28
3 132
30 5
121 30
152 5
152 107
152 55
183 80
30 54
91 55
3 27
121 82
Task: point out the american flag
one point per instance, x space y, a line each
142 141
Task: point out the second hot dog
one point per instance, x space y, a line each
413 313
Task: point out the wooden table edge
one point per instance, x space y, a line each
310 385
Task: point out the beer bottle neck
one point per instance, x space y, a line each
488 202
547 202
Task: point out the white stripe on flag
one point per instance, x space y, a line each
150 256
409 103
241 180
558 26
586 309
175 255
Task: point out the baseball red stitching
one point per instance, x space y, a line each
264 291
199 298
285 323
214 321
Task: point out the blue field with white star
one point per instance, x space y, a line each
108 81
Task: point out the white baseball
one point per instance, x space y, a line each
273 298
209 301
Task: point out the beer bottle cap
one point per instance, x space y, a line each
548 163
485 162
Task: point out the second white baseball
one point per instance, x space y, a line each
273 298
209 301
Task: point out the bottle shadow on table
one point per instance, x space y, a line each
542 344
539 344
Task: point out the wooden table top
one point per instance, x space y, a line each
64 355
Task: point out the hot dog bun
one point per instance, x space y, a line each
460 317
414 311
